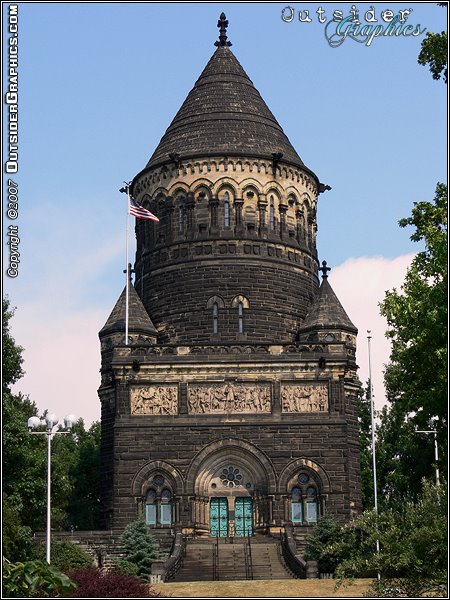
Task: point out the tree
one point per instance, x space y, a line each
140 547
12 353
327 532
75 465
365 445
412 538
404 457
434 53
416 376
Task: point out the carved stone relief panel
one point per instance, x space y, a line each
154 400
229 398
304 398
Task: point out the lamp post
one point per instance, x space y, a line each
436 455
374 461
50 421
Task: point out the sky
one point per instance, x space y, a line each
99 83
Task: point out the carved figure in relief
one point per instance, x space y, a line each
154 401
304 398
228 398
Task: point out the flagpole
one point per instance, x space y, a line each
127 270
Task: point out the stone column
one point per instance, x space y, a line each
190 205
283 210
213 209
238 204
262 206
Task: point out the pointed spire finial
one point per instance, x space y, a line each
324 269
222 24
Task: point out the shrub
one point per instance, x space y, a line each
139 547
125 567
320 544
34 579
66 556
93 584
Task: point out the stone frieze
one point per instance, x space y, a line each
229 398
304 398
154 400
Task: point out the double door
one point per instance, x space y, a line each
219 517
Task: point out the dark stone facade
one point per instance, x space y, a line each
239 376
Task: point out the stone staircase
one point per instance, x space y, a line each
235 560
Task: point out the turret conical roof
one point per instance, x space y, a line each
224 114
327 312
138 319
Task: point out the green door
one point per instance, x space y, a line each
243 515
218 517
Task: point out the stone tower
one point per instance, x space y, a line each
232 409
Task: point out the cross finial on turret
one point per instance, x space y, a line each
130 270
222 24
324 269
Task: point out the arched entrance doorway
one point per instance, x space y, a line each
231 492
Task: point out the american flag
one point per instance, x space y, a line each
140 212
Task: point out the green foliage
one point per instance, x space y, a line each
412 541
404 457
416 376
365 445
125 567
66 556
34 579
75 465
327 532
84 502
16 538
140 547
434 53
12 353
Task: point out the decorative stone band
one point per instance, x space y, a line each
154 400
304 398
229 398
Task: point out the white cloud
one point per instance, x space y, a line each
360 284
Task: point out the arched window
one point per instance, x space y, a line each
158 502
150 508
226 210
304 500
241 317
215 317
296 505
311 505
271 214
165 508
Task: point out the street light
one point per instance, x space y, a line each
50 421
436 455
374 460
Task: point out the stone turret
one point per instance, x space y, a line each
237 210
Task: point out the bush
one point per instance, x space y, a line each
326 533
139 547
93 584
66 556
125 567
34 579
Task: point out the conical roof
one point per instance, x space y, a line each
327 312
138 319
224 114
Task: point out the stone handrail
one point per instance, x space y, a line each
166 570
300 567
